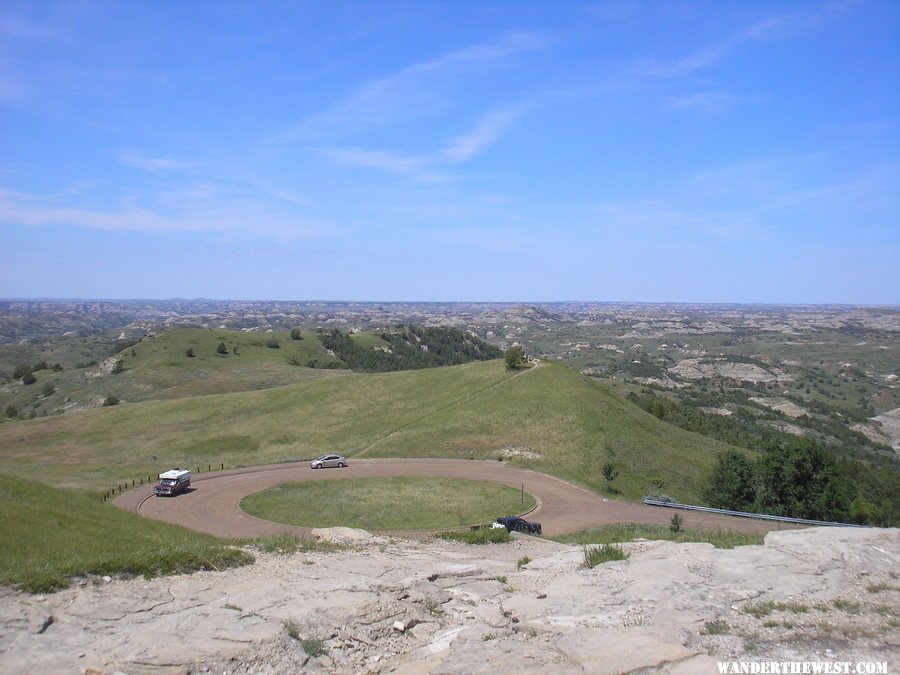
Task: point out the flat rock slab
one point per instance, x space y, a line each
812 595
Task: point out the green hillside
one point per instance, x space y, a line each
49 534
160 366
479 409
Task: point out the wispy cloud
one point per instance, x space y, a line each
484 134
707 101
771 28
233 218
137 160
431 167
416 91
19 28
416 168
666 220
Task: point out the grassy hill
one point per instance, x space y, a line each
159 367
479 409
49 534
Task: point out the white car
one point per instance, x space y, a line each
328 461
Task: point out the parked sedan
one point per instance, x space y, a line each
515 524
328 461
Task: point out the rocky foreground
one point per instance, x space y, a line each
397 606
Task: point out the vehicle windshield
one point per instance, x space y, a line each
168 481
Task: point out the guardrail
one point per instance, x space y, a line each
744 514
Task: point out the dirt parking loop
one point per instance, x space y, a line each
213 503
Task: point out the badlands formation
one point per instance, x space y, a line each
404 606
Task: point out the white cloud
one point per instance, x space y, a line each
235 218
484 134
429 168
416 168
772 28
707 101
666 220
416 91
137 160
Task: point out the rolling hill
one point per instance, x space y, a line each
547 418
158 366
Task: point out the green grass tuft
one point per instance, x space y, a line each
766 607
626 532
717 627
483 536
286 544
597 555
314 647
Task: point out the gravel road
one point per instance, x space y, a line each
213 503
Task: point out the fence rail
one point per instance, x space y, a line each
744 514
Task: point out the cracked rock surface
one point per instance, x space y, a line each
398 606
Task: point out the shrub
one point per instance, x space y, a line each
11 411
524 560
48 389
29 378
111 400
610 472
313 646
222 349
296 334
675 523
189 352
20 371
515 357
597 555
57 367
716 627
272 343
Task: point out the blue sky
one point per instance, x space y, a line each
685 151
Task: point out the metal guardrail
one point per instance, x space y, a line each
744 514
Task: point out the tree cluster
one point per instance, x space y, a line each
515 357
800 479
409 348
864 490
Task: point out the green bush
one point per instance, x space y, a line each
221 349
515 357
29 378
675 523
111 400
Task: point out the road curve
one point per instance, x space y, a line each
213 504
